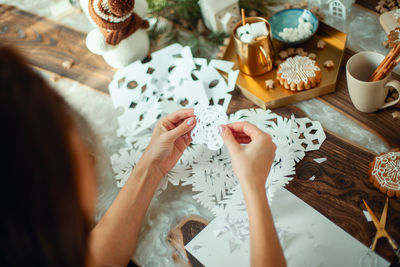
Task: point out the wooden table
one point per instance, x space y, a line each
341 182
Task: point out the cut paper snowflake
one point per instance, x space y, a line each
139 143
210 172
171 80
211 180
123 162
282 170
255 116
174 177
193 154
310 134
209 118
289 136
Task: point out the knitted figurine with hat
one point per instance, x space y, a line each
120 36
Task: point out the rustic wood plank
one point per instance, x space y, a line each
181 235
47 45
340 185
368 4
380 122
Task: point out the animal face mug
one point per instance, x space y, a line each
368 96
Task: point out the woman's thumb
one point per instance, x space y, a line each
183 128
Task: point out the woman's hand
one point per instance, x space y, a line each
113 240
171 136
251 163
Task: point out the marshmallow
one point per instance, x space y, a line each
302 31
247 38
249 32
259 28
246 29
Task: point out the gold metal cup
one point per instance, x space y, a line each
254 58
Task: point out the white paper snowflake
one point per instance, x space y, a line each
143 92
288 135
209 118
211 180
174 79
123 163
310 134
282 171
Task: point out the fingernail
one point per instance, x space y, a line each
190 121
221 129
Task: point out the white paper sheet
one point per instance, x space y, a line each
309 239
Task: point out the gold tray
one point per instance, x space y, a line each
254 88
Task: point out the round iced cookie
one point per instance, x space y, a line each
299 73
384 173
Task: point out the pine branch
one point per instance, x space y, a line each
260 6
156 30
175 10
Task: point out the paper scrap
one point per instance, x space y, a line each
312 178
320 160
367 216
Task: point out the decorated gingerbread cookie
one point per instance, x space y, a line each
299 73
394 37
384 173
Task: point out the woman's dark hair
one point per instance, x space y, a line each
42 222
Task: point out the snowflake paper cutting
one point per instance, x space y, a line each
209 118
211 180
288 135
310 134
173 79
123 162
170 81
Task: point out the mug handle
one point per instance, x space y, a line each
265 60
396 85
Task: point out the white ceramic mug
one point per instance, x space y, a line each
368 96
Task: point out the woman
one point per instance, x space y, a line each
49 187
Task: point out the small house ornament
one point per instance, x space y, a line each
339 8
220 15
